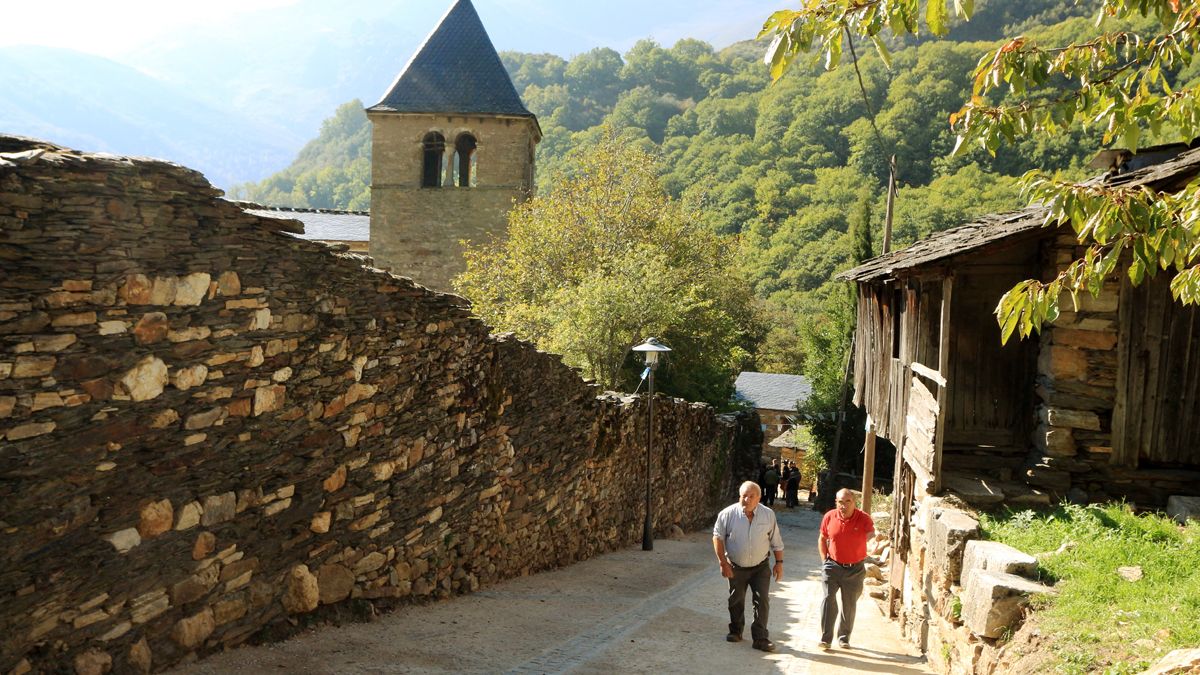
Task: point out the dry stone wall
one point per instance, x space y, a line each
1076 387
209 427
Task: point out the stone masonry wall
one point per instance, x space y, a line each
417 230
209 428
1076 387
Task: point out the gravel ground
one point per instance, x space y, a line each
628 611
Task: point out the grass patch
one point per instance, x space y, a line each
1098 621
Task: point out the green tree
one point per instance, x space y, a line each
607 259
1122 79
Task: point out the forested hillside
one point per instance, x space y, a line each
782 166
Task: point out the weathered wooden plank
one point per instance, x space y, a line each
1122 444
1156 306
927 372
943 367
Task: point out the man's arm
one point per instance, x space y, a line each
822 543
719 549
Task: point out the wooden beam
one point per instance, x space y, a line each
868 484
944 369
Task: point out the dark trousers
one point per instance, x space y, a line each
769 494
848 581
758 579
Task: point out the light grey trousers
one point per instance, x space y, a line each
848 582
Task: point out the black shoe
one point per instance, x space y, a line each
764 645
733 637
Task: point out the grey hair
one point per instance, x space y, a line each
752 485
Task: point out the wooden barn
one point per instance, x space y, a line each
1103 404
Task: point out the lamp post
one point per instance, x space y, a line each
652 348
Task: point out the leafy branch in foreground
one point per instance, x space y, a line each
1123 81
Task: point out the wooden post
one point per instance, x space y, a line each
837 435
891 198
944 369
868 484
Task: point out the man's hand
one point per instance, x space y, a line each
726 569
778 571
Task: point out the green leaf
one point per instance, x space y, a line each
882 50
937 17
964 8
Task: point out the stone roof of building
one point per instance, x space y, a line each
772 391
456 70
320 224
1169 175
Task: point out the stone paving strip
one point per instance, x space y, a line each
628 611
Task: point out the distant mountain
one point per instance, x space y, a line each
92 103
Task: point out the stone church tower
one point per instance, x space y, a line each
452 147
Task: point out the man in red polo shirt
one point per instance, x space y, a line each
842 543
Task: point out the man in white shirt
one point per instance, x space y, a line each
744 537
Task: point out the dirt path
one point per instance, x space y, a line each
628 611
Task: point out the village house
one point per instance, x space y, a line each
775 397
1103 404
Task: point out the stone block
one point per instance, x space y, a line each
149 605
950 530
146 380
974 491
151 328
1183 508
191 632
124 540
1063 363
156 518
1084 339
191 289
335 582
93 662
1177 662
140 657
23 431
301 591
992 602
993 556
268 399
33 366
1054 441
189 516
228 284
1075 419
219 508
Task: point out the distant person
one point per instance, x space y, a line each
793 487
771 483
744 537
842 544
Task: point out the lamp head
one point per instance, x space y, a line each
651 348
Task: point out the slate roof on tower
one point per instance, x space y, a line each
456 70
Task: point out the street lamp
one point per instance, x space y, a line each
652 348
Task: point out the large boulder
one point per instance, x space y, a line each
994 556
992 602
1183 508
949 531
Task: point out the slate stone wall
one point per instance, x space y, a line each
210 428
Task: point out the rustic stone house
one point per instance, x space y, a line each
452 148
1102 404
775 397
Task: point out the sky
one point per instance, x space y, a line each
112 28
